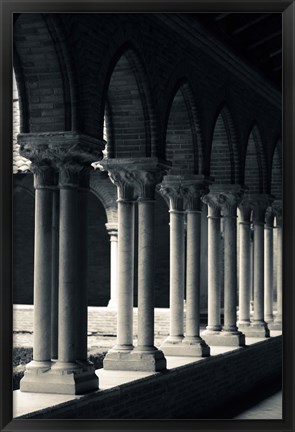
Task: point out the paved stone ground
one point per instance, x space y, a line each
269 409
100 338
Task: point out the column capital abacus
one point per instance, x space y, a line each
259 204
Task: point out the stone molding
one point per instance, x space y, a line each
112 229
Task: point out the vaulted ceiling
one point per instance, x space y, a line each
257 37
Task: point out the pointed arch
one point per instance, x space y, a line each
276 172
183 142
128 111
224 156
255 176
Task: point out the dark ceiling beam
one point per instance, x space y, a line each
265 39
250 24
221 16
276 69
275 53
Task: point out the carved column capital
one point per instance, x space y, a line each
278 211
245 209
193 189
44 175
112 229
225 198
269 217
259 203
69 173
172 190
135 177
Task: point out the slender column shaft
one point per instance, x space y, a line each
245 273
82 299
125 274
268 267
258 272
146 235
55 258
279 274
230 273
176 274
193 274
113 232
214 323
68 275
42 275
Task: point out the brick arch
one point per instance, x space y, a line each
106 193
224 155
183 77
128 106
255 166
181 144
38 65
276 171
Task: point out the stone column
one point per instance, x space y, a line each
146 354
112 229
259 204
245 265
171 189
277 324
226 199
69 153
54 288
75 374
268 265
194 344
229 200
118 356
213 328
43 182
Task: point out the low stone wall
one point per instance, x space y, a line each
192 391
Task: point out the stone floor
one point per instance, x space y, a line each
270 408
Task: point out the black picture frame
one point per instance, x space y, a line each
7 8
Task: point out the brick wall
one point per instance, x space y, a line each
205 389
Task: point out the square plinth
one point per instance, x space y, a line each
60 382
153 361
257 330
183 349
224 338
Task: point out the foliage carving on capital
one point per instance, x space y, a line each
225 201
192 195
125 182
69 174
278 212
269 217
146 182
174 193
43 176
259 205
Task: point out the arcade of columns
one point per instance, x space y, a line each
60 163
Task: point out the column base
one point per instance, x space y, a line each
135 360
194 347
73 379
259 329
223 338
275 325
